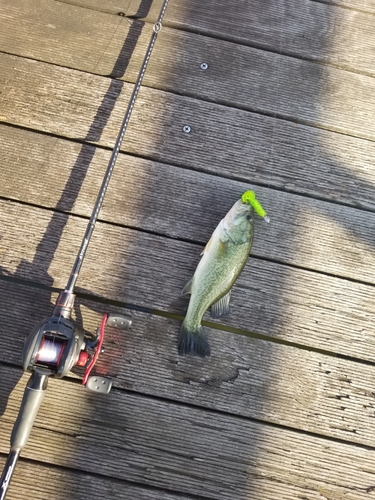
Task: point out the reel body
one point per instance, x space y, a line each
57 344
53 345
52 349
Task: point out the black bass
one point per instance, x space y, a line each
224 257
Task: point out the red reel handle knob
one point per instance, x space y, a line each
83 358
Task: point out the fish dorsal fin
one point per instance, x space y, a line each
221 307
187 288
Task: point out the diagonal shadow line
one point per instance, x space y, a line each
47 246
49 242
143 9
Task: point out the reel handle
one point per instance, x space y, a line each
96 383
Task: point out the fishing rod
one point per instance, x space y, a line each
57 344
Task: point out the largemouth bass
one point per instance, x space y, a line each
222 261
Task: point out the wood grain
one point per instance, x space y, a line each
317 31
245 376
307 233
44 482
112 6
134 5
305 29
58 33
224 141
338 100
271 299
260 419
360 5
171 446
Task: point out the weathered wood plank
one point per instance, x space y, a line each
245 376
143 6
111 6
178 447
226 11
360 5
224 141
270 299
58 33
340 101
304 232
301 28
307 29
43 482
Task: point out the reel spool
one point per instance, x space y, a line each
53 346
50 351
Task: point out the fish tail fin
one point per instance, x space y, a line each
193 342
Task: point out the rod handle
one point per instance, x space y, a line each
32 399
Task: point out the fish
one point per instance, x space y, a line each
223 260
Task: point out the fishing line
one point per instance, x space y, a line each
272 155
50 351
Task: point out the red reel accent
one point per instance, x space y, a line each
83 358
97 350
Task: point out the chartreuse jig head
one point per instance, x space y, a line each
250 198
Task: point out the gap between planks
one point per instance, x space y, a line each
312 31
304 313
44 481
314 161
338 95
148 195
131 6
163 444
252 378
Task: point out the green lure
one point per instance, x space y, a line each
250 198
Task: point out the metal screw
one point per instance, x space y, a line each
204 66
186 129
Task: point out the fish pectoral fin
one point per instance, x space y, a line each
223 247
221 307
205 249
187 288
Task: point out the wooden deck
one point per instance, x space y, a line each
285 406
